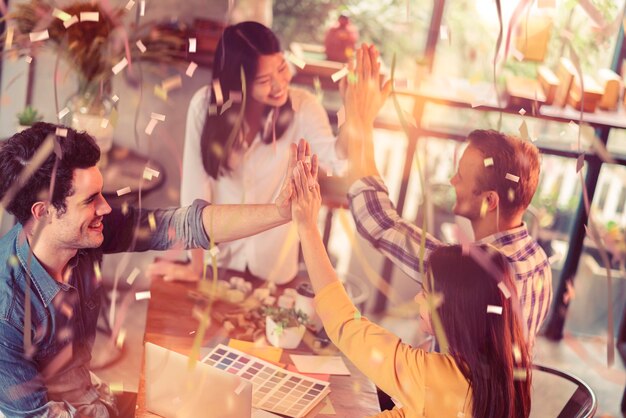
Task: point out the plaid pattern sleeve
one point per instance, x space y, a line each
378 222
533 275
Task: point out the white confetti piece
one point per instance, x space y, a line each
130 4
172 83
191 69
104 123
512 177
115 98
517 54
28 59
122 192
39 36
63 113
494 309
141 46
295 60
142 295
192 45
329 173
132 276
444 33
488 162
157 116
62 132
70 22
61 15
151 125
120 66
142 8
89 16
522 111
339 74
341 116
504 290
217 91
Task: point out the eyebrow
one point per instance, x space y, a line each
92 196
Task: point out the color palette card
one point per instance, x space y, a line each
273 389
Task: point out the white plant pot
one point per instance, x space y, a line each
286 338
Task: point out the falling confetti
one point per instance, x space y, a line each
295 60
28 59
192 45
142 295
494 309
39 36
141 46
157 116
339 74
130 4
89 16
151 125
115 98
104 123
132 276
512 177
142 8
483 208
122 192
511 195
217 91
70 22
120 66
63 113
61 15
119 342
191 69
488 162
152 222
522 111
172 83
504 290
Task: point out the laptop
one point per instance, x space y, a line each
174 391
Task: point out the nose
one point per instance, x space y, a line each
103 207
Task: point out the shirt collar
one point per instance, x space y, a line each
46 286
506 237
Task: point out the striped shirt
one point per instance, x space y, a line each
378 222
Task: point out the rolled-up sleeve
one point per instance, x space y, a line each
378 222
160 229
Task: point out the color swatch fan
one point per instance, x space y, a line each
273 389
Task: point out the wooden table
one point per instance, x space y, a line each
170 324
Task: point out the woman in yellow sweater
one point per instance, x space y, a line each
486 369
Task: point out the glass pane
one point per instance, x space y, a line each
587 313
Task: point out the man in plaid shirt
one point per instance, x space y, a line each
495 181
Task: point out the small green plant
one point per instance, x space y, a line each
29 116
286 318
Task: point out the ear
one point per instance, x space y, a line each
493 201
39 210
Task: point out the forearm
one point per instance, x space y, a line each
230 222
359 140
321 272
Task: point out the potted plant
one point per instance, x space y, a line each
27 118
284 328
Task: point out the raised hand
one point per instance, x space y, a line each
307 199
301 152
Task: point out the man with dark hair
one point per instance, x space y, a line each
49 283
495 181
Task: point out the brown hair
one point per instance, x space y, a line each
489 349
511 155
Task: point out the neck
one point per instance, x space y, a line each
53 258
490 224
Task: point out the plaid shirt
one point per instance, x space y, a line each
379 223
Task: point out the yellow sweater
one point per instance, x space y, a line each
427 384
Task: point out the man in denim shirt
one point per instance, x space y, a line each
49 288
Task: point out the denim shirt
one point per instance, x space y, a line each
52 379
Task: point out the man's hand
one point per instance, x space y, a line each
301 152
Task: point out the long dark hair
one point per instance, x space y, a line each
238 49
489 348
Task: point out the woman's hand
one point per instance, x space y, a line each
362 93
300 152
307 199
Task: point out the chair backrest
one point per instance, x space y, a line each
560 395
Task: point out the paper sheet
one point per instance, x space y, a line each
320 364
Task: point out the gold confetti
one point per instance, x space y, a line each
511 195
116 387
152 222
517 354
520 374
483 208
97 272
217 91
124 208
8 41
119 342
160 93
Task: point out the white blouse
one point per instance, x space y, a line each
257 176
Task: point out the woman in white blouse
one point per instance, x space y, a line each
236 148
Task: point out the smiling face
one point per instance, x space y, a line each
469 198
271 83
80 225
